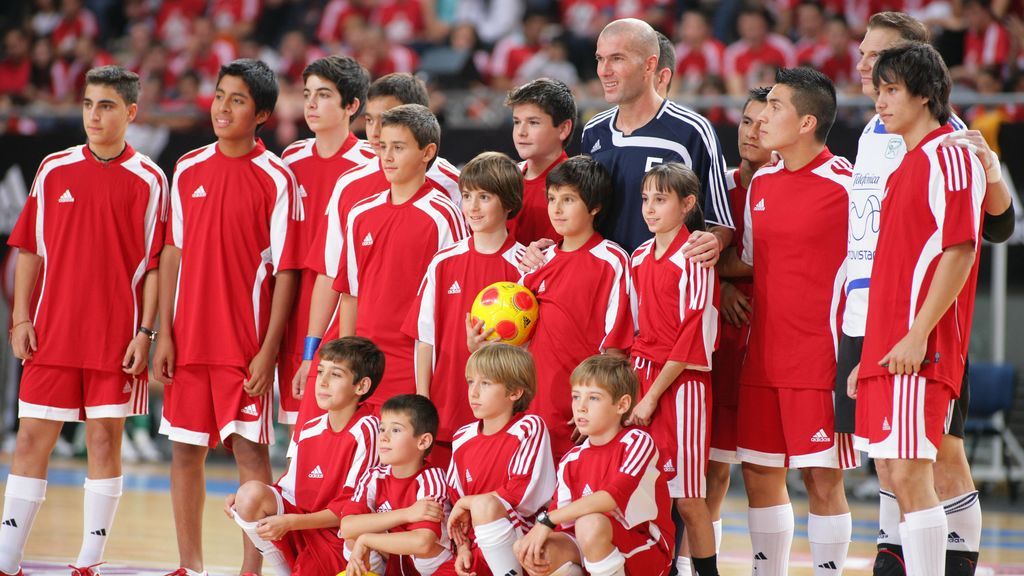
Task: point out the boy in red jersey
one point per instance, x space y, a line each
326 251
502 472
736 299
795 239
610 513
543 119
84 338
492 190
294 522
570 329
334 93
395 522
675 303
390 238
921 303
233 211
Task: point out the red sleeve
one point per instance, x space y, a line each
285 243
637 453
160 223
362 458
695 340
960 219
315 257
618 322
431 485
24 234
358 503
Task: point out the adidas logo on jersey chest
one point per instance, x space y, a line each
66 198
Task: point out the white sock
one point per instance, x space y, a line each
771 535
567 569
495 540
963 515
924 542
683 566
830 541
888 519
22 499
101 498
613 564
271 554
717 527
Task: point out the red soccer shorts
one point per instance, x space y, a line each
309 552
724 424
479 566
647 551
681 428
791 428
206 404
287 405
728 363
902 416
73 394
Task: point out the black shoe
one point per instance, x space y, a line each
959 566
889 562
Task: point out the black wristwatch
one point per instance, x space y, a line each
151 334
544 519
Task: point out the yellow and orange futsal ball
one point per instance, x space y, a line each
509 308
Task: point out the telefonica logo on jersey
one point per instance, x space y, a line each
866 179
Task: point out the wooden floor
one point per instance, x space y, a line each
143 542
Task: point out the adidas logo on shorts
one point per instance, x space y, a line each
820 436
759 207
368 240
66 198
668 467
127 388
317 473
250 410
302 191
543 286
455 288
885 424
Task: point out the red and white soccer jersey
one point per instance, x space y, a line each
675 301
316 177
386 245
744 59
532 223
98 228
933 201
989 48
732 347
795 238
584 310
510 54
322 475
515 463
693 64
438 317
625 467
380 491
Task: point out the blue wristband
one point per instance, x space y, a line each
309 347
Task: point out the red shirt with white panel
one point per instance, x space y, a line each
316 177
327 465
515 463
695 64
932 201
743 58
235 221
438 317
626 468
795 238
386 245
584 310
98 228
510 54
532 223
989 48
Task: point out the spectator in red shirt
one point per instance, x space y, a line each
837 56
698 53
514 50
810 30
15 68
76 22
987 43
404 21
757 48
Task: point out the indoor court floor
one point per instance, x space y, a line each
143 539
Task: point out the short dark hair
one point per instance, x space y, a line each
421 412
757 10
813 94
666 53
920 68
418 119
905 25
498 174
258 77
362 357
347 75
552 96
590 180
759 94
123 81
405 88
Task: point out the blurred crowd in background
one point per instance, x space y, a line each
722 46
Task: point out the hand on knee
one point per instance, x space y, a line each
251 501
